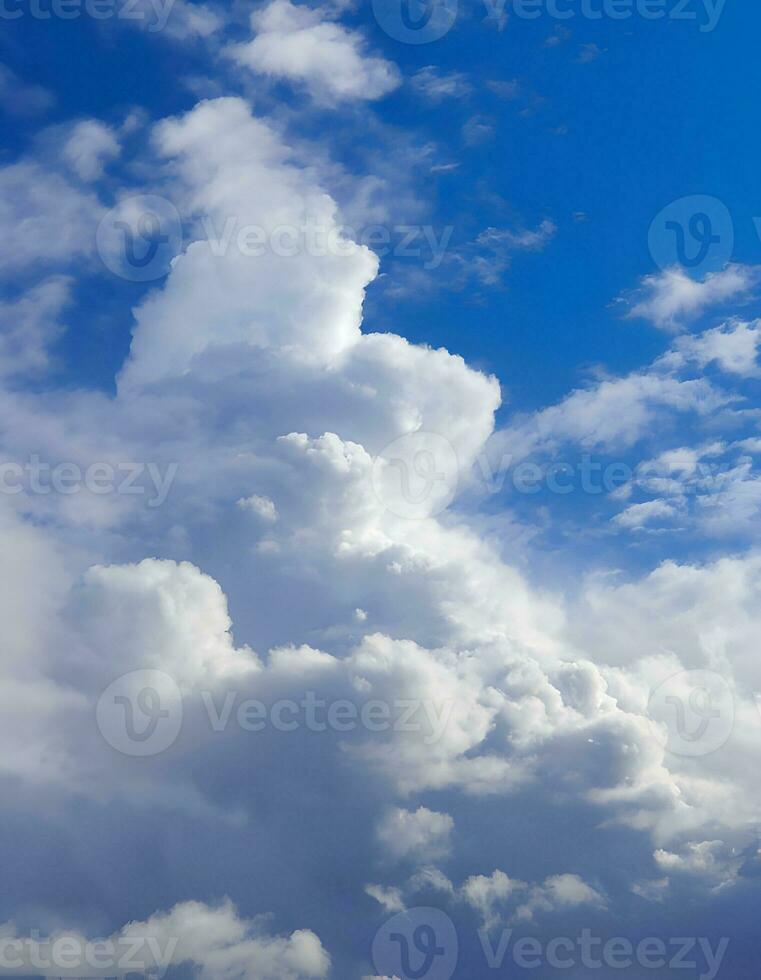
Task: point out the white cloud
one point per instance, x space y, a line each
639 515
214 940
487 894
166 615
44 219
262 506
671 297
733 347
255 378
559 892
436 85
420 834
306 299
488 257
390 898
188 21
612 414
301 45
30 324
89 147
497 897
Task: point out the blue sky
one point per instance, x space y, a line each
379 482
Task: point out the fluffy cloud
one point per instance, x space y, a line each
253 377
301 45
732 347
167 616
89 147
30 324
672 297
305 297
420 834
213 940
44 219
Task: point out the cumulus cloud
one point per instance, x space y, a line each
44 219
421 834
671 297
307 299
254 378
487 893
212 939
637 516
30 324
302 45
390 898
559 892
614 413
167 615
733 348
89 147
